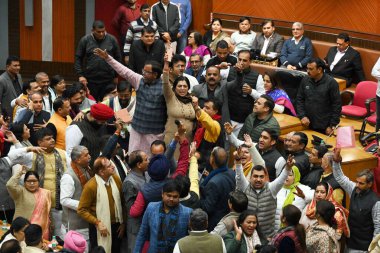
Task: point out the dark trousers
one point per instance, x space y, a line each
116 242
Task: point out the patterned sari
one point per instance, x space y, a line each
280 97
341 213
41 211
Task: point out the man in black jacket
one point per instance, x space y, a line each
318 99
167 17
95 72
148 48
345 62
296 146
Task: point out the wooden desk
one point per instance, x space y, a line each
288 123
262 68
354 159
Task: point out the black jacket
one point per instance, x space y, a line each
139 54
349 67
319 101
216 61
166 22
91 66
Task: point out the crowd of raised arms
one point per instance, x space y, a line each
167 142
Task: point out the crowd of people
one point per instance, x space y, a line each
167 142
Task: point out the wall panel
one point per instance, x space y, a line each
30 36
63 30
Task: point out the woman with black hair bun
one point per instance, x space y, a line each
322 237
291 238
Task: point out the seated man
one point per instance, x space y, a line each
345 62
196 67
260 118
297 51
318 99
268 41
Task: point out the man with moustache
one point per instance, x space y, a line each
48 94
268 41
212 89
73 94
88 131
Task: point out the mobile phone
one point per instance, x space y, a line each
177 122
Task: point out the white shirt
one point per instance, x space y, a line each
266 43
243 40
256 93
193 81
337 58
297 41
176 247
67 192
73 138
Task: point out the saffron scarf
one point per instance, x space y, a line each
41 211
200 132
311 210
81 176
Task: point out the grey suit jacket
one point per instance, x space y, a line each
200 91
8 92
275 43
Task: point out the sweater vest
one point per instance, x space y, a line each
270 157
360 219
264 204
241 106
90 137
150 113
291 233
70 218
201 242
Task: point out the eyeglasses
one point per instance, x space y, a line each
146 72
31 181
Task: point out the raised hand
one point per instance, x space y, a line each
248 140
10 137
228 128
299 193
193 149
101 53
290 162
336 156
238 231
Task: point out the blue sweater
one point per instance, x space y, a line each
151 222
186 16
296 55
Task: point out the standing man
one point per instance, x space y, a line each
59 121
184 7
177 69
364 218
11 86
88 131
199 239
101 205
345 62
135 29
268 41
297 51
149 119
72 184
96 73
164 222
148 48
168 19
318 100
124 15
216 187
48 94
245 87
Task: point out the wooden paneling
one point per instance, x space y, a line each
63 30
361 16
30 36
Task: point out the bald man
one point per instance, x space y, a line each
216 187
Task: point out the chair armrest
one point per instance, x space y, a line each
347 97
368 103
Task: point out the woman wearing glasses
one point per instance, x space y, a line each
31 201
